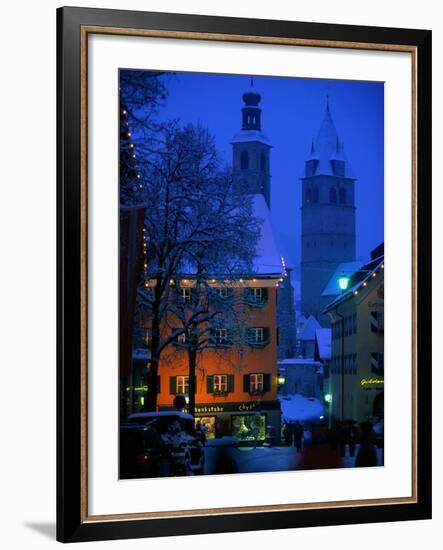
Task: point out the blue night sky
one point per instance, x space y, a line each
292 111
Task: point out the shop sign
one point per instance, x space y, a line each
368 383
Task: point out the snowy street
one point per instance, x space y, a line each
262 459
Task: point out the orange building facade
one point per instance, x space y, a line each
236 386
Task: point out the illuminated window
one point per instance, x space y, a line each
182 384
186 295
256 382
222 291
181 338
256 335
257 293
221 335
220 383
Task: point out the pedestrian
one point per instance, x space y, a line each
287 434
201 436
298 435
319 455
352 439
291 430
342 438
367 453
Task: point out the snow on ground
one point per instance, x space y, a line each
267 459
298 407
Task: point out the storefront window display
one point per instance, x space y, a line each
249 427
208 425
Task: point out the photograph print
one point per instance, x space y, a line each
251 252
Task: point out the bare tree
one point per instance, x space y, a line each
194 224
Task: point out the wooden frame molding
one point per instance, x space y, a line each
74 27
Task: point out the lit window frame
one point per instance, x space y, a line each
257 335
220 383
256 382
182 384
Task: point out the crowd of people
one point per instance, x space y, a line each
326 447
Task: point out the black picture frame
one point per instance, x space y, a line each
72 525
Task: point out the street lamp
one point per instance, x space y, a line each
343 282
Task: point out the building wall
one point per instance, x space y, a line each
302 378
363 385
286 319
231 361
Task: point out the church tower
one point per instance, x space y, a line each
327 217
251 150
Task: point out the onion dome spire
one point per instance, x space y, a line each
251 112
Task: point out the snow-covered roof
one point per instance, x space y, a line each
323 337
347 269
140 354
309 328
250 135
298 407
362 283
268 261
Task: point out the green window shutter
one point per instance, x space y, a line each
230 383
173 385
264 292
158 383
246 383
247 294
210 384
266 334
266 382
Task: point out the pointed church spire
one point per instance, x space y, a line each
326 148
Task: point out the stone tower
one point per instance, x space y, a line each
252 176
251 150
327 217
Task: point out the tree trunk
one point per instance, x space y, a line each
192 356
151 398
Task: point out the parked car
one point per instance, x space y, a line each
142 453
173 440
